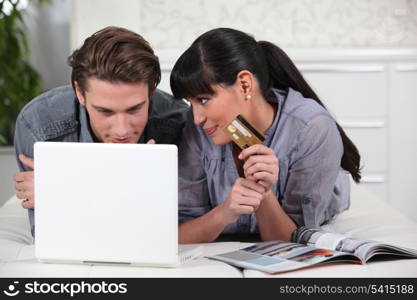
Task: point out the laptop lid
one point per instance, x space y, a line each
106 203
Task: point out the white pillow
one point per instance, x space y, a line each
14 222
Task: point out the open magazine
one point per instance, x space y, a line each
310 247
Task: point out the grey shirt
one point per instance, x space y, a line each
312 187
58 116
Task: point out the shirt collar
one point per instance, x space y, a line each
275 97
85 131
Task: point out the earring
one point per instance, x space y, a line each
248 97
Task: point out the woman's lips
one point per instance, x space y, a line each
211 130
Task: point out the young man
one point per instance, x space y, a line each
113 99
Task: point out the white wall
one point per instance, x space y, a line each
171 24
168 24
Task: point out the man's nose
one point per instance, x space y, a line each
199 117
121 126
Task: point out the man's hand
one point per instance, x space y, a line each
24 183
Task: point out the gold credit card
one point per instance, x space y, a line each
243 133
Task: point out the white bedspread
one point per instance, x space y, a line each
368 218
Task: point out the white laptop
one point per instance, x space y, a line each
107 203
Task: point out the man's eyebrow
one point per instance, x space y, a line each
100 107
136 106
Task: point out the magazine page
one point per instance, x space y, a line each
372 249
364 249
338 242
334 241
279 256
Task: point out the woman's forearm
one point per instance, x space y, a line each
273 221
204 229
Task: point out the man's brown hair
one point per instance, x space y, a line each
115 54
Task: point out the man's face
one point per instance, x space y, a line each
118 111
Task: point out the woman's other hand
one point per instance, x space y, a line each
244 198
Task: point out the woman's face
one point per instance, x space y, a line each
214 112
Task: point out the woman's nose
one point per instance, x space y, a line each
199 117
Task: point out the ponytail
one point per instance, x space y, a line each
283 74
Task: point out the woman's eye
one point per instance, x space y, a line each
203 100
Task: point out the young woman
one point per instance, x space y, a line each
298 176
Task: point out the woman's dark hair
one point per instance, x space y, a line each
217 56
115 54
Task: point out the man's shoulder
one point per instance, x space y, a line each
57 99
167 117
51 114
165 106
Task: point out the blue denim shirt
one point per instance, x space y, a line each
57 116
312 188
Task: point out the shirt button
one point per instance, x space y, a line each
306 200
